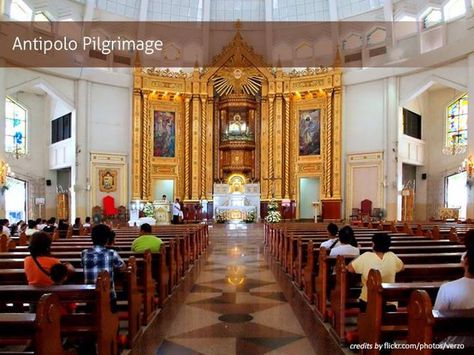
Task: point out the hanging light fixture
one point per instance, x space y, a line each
454 147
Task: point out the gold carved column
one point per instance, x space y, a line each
265 141
203 146
278 136
187 146
209 123
195 142
286 166
137 144
271 138
336 104
146 147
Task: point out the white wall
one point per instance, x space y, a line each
363 117
110 119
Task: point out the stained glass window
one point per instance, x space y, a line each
15 127
457 122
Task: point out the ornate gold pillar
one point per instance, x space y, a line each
271 137
187 146
137 143
209 122
146 147
265 140
195 167
328 181
336 100
286 166
278 145
203 146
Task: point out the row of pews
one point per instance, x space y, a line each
142 290
431 254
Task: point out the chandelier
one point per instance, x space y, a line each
454 147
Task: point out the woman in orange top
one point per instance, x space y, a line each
38 265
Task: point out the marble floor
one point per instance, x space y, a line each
236 305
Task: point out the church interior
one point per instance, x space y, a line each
269 128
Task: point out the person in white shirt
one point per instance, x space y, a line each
88 223
346 237
380 259
32 228
458 294
176 211
332 234
5 228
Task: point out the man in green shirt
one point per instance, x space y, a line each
146 241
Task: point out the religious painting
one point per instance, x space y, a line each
164 128
310 141
108 180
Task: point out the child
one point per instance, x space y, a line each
59 274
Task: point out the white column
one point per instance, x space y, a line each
2 128
470 128
393 178
80 170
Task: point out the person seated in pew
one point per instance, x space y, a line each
51 225
31 228
458 294
5 224
99 258
62 228
38 265
332 234
87 224
468 242
59 275
345 247
380 259
146 241
41 224
76 227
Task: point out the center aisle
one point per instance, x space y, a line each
236 305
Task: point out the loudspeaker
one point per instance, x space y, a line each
423 176
48 182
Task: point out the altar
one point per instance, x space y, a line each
236 201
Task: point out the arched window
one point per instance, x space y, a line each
457 122
15 127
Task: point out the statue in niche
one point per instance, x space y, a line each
236 126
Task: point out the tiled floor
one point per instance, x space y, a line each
236 305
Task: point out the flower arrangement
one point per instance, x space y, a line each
274 215
149 210
251 217
221 217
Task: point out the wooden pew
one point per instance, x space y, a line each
101 323
347 287
43 327
376 323
427 326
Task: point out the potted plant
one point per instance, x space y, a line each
273 215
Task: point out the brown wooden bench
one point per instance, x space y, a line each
101 323
42 328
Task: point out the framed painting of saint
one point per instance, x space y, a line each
108 180
310 132
164 130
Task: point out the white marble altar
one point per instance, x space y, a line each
236 204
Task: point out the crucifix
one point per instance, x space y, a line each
272 179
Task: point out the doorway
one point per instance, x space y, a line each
15 200
456 193
309 193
